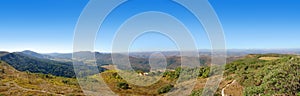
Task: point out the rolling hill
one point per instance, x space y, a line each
24 62
253 75
37 55
266 74
16 83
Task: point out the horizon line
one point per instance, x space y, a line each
62 52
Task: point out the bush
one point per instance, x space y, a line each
204 72
2 71
66 81
274 77
123 85
116 76
165 89
197 93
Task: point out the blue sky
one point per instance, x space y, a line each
48 25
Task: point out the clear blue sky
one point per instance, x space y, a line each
48 25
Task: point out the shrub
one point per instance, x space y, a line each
197 93
66 81
165 89
267 77
123 85
204 72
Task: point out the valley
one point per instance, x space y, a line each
248 75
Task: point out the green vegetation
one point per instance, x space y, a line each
165 89
115 82
267 77
254 75
172 74
197 92
27 84
204 72
35 65
267 74
163 85
123 85
23 62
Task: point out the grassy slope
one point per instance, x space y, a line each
253 74
268 74
15 83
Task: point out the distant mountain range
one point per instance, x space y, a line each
60 64
253 74
37 55
202 52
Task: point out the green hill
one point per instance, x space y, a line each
268 74
253 75
23 62
16 83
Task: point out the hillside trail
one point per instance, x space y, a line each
26 89
223 93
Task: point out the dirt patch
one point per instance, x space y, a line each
269 58
233 89
109 67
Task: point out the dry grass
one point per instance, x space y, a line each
269 58
234 89
15 83
200 83
134 89
109 67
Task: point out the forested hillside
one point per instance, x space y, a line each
16 83
23 62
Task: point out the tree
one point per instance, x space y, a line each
165 89
123 85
